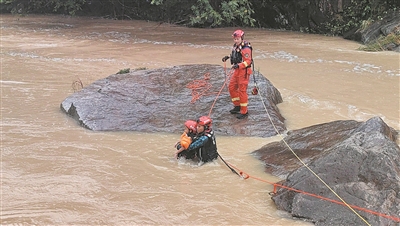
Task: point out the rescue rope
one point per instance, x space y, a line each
246 176
205 86
305 165
215 100
233 171
201 87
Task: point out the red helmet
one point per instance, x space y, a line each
190 124
204 121
238 33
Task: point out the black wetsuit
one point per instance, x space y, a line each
204 147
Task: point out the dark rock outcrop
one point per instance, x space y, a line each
325 16
384 27
159 100
360 161
307 143
390 25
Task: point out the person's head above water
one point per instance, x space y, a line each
204 123
191 126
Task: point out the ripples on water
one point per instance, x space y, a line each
55 172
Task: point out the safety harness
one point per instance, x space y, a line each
236 55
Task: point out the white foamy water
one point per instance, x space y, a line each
55 172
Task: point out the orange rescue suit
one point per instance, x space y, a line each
241 55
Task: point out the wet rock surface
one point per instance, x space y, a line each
388 26
360 161
161 100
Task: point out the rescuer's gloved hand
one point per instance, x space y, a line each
235 66
225 58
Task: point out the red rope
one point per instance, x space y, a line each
396 219
201 88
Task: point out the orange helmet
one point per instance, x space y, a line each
190 124
204 121
238 33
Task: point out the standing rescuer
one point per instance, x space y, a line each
241 60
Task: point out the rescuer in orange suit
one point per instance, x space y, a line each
241 60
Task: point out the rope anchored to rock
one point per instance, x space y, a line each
201 87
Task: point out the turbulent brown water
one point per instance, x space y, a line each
55 172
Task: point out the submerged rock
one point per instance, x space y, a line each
360 161
161 100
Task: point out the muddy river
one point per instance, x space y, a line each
54 172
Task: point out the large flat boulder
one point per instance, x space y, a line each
360 161
161 100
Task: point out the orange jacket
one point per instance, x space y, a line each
246 58
185 141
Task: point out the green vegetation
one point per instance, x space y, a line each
42 6
127 70
358 14
218 13
198 13
329 17
124 71
382 43
214 13
229 13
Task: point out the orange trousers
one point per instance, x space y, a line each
238 88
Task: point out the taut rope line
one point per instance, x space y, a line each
226 80
305 165
244 175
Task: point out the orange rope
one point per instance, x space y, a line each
246 176
226 80
201 87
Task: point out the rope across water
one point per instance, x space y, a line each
201 88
